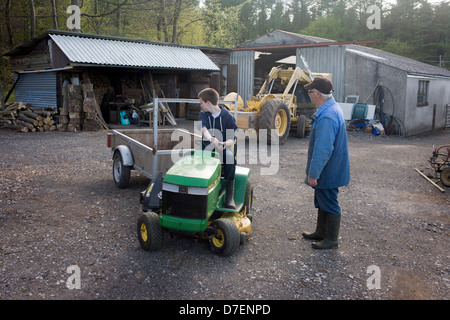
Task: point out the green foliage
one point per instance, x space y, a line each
329 28
397 46
222 26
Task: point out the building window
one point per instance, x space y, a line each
422 93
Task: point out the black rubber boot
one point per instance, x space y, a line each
331 239
321 227
230 195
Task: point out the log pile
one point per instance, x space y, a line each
21 116
93 120
80 110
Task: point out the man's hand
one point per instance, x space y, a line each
312 182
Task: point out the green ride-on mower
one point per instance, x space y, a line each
190 199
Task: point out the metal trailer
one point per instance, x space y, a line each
150 151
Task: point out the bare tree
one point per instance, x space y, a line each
32 19
163 20
170 12
55 19
176 15
118 17
8 22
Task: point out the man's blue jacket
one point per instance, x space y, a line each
328 159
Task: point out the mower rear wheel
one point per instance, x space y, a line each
150 232
445 177
227 238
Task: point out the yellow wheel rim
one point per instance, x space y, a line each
144 232
219 239
281 121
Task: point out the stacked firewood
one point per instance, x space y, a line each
80 110
93 120
69 115
21 116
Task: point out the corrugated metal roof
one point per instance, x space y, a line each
282 39
398 62
96 51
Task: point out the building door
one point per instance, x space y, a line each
38 89
447 118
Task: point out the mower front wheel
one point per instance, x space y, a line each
150 232
227 237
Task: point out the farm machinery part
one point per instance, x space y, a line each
440 162
276 104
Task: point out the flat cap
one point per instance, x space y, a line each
322 85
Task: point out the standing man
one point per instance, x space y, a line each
328 166
219 128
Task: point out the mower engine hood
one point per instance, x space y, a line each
198 169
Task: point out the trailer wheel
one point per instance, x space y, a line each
275 115
150 232
121 173
301 125
227 238
445 177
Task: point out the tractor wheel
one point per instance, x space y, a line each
227 238
248 200
445 177
150 233
275 115
301 125
121 173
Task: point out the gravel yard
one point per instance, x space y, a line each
60 208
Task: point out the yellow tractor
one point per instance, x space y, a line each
275 106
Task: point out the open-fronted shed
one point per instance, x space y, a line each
119 70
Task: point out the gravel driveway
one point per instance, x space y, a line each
59 208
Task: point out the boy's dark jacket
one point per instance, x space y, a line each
225 121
